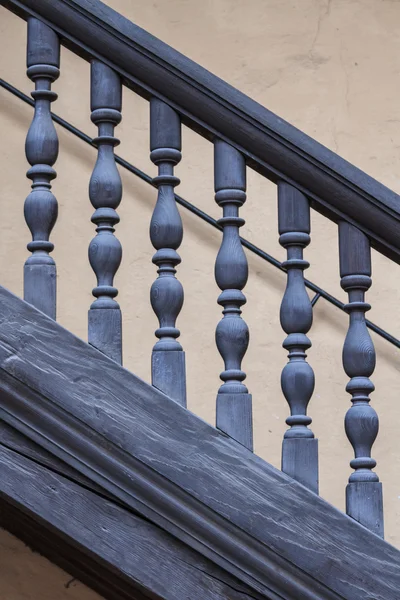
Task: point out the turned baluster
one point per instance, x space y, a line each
105 192
41 148
299 448
166 232
234 405
364 491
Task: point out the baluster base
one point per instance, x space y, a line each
364 503
105 332
234 417
40 287
300 461
168 374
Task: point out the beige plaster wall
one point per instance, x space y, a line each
332 68
25 575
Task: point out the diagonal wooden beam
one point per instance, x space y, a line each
117 553
180 473
13 440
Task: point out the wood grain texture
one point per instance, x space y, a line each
114 551
234 403
299 448
168 374
364 501
14 440
215 109
182 474
41 149
105 192
166 233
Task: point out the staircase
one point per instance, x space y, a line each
112 478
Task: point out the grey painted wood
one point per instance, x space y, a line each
13 440
168 374
234 416
364 491
105 331
105 192
116 552
166 232
171 467
318 291
234 403
364 503
212 107
299 448
41 149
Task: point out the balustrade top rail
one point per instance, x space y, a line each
212 107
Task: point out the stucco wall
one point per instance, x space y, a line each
25 575
332 68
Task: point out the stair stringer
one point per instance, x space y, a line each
72 522
179 472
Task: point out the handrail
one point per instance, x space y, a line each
319 292
213 108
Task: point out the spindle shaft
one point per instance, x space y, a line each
299 448
234 403
41 148
364 491
105 192
166 232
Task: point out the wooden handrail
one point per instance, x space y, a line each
213 108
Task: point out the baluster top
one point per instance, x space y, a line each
43 46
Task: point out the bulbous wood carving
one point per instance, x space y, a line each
166 233
41 149
364 492
300 449
105 193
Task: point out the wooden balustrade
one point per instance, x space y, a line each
105 192
300 448
234 403
41 148
364 491
166 232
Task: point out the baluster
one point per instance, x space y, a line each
105 192
234 404
41 149
299 448
364 491
166 232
